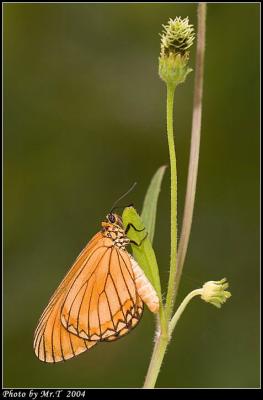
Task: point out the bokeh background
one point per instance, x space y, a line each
84 117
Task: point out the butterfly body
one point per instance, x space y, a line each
100 298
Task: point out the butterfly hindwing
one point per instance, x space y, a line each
52 342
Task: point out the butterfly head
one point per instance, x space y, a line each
113 229
113 219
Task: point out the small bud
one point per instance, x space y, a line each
214 292
176 38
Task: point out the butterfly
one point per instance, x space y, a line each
100 299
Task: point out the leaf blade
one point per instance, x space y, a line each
142 251
149 209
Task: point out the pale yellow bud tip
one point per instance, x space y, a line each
214 292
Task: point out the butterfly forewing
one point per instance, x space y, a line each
105 302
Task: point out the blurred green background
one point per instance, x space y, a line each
84 117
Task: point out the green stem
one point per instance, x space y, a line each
170 135
180 309
165 314
156 362
176 265
162 342
162 323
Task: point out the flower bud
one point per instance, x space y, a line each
214 292
176 38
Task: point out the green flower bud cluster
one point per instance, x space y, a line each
176 38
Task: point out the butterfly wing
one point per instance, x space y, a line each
96 301
102 303
52 342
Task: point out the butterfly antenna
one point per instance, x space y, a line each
125 194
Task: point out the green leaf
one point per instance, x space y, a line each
142 250
149 209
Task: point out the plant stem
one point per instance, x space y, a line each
165 314
195 146
156 362
170 135
162 342
180 309
176 265
162 323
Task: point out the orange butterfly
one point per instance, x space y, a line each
100 299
